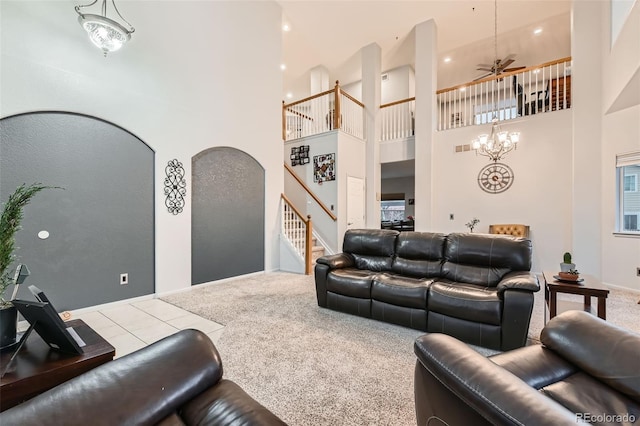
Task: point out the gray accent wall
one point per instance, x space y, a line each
227 235
100 225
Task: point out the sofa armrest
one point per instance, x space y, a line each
472 380
337 261
141 388
519 280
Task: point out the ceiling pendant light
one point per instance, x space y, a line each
498 143
104 32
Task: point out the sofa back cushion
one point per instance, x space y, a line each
371 249
484 259
419 254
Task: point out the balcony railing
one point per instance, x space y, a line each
533 90
397 119
326 111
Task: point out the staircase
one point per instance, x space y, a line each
317 250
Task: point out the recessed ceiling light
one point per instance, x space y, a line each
537 31
286 27
447 60
462 89
289 95
536 71
283 67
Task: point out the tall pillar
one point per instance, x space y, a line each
319 79
426 73
371 71
587 44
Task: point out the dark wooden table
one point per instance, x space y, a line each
38 368
588 288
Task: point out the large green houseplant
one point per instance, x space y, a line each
10 220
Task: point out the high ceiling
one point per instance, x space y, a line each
331 33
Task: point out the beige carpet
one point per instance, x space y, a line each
314 366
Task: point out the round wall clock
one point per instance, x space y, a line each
495 178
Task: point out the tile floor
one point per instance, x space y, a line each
129 327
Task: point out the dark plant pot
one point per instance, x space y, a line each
8 323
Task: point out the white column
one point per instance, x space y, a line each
371 71
426 71
319 79
587 42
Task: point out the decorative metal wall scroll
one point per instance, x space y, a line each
175 187
299 155
324 167
495 178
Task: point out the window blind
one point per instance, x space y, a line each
628 159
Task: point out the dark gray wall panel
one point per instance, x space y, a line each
100 225
227 235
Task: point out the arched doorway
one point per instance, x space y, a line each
227 223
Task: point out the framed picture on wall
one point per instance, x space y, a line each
324 167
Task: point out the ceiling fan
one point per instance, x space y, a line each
498 67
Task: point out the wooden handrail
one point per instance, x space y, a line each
310 192
354 100
293 207
390 104
337 115
504 75
328 92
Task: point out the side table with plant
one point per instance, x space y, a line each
12 214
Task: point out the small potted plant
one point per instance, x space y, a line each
570 275
472 224
566 264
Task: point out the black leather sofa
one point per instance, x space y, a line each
476 287
585 371
175 381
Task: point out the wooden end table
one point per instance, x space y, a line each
38 368
588 288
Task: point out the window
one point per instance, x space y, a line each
630 183
392 210
628 199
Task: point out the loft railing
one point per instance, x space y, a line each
298 230
397 119
532 90
330 110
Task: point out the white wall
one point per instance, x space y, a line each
539 197
195 75
400 85
620 134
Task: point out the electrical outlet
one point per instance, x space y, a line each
124 279
450 216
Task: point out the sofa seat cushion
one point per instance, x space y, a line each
351 282
589 398
400 291
465 301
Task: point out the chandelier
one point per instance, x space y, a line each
497 144
105 33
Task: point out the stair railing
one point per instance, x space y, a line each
298 230
322 205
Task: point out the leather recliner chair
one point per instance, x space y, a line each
585 371
175 381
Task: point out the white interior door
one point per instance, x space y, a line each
355 202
